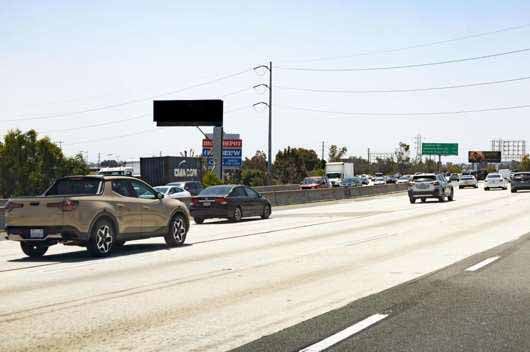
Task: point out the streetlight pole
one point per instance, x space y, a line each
269 106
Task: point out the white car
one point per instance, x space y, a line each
495 181
380 181
467 181
173 192
404 179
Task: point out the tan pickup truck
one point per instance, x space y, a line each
99 212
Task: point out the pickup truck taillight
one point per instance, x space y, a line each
195 201
12 205
436 183
65 205
69 205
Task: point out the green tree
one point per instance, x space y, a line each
336 154
28 165
454 169
254 170
210 179
525 163
289 166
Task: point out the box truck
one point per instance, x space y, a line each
336 172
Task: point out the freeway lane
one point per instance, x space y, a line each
482 307
237 282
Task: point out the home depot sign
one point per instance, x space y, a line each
232 151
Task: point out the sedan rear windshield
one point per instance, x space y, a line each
311 180
468 177
215 191
74 186
425 178
494 176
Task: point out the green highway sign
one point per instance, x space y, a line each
439 148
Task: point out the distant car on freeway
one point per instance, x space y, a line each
355 181
426 186
454 178
495 180
391 179
380 180
194 187
99 212
467 181
232 202
520 181
365 179
174 192
315 182
404 179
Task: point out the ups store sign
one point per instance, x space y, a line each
159 171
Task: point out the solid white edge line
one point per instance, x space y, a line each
482 264
344 334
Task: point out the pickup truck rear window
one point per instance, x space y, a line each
75 186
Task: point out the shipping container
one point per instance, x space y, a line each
158 171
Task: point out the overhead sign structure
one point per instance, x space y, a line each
478 156
232 151
188 112
443 149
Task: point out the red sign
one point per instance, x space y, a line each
227 143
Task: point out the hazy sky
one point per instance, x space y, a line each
59 57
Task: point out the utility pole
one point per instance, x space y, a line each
99 159
269 105
323 150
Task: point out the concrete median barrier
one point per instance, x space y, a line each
2 218
276 188
318 195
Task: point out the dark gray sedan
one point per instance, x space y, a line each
232 202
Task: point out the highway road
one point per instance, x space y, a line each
234 283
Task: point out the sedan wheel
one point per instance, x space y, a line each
177 231
102 239
237 215
266 212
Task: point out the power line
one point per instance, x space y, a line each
346 91
113 137
405 114
129 102
417 46
402 66
97 124
135 133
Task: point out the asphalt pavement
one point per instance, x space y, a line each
479 304
234 283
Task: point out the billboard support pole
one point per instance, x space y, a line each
218 151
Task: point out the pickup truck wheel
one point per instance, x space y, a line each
33 250
451 196
178 230
102 239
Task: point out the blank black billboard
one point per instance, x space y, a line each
188 112
477 156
